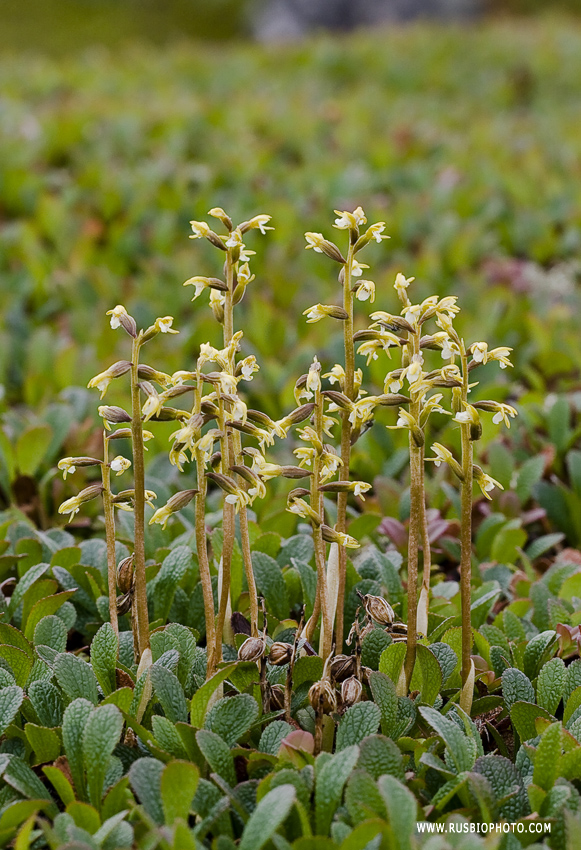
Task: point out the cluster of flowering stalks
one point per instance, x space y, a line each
220 442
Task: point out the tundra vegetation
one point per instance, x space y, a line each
294 609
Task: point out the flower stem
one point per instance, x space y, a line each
109 512
345 441
142 615
466 530
417 508
203 563
320 548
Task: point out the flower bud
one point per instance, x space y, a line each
125 574
121 318
251 650
113 415
342 667
323 246
322 697
351 691
377 608
280 653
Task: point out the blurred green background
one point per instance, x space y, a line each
120 124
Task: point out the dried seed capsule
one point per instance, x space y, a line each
251 650
342 666
276 697
322 697
378 609
125 574
351 691
124 603
280 653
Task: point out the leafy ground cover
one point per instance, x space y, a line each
470 157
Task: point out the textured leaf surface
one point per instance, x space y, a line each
145 779
372 646
379 755
359 721
391 661
217 754
74 721
362 798
45 743
401 809
201 698
271 584
76 677
173 570
268 815
385 697
273 735
10 701
170 693
330 783
453 737
51 631
231 717
547 757
102 732
551 684
537 651
504 779
104 651
524 715
427 676
516 686
179 782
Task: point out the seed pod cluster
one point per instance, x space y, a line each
351 691
342 667
280 653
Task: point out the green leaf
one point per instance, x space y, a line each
266 818
401 809
454 738
76 677
19 662
44 608
307 669
391 661
508 541
145 779
231 717
359 721
10 701
308 581
447 659
170 693
271 584
547 757
379 755
179 782
372 646
524 715
168 737
25 583
330 782
427 676
385 697
362 798
542 544
173 570
45 743
104 652
20 777
572 704
551 684
60 783
51 631
74 721
538 650
530 472
558 421
31 448
102 732
273 735
201 698
504 778
516 686
217 754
